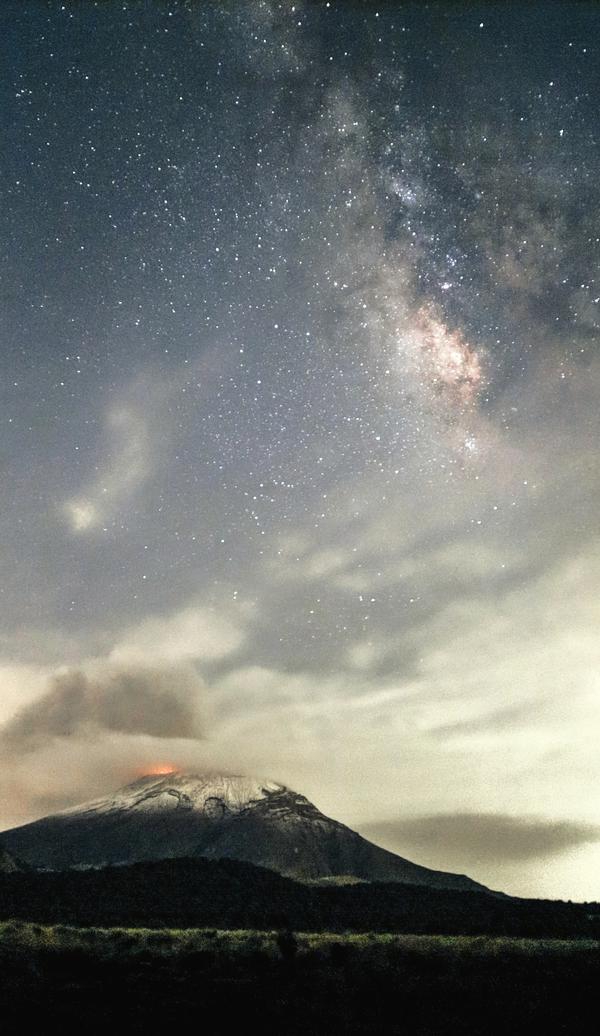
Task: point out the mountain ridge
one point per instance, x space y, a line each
216 815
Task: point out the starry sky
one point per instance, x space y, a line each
299 372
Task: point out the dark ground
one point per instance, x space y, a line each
333 986
209 946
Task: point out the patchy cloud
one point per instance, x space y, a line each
159 703
192 633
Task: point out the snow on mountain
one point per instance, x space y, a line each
204 793
218 816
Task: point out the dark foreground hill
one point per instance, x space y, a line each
8 863
215 816
232 894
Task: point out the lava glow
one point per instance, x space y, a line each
159 770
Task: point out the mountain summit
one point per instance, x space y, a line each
214 815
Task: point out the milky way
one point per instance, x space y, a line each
300 414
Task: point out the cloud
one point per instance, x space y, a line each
159 703
88 727
194 632
126 467
20 683
464 839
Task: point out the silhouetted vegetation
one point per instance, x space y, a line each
231 894
286 983
225 947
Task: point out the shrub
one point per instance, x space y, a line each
287 945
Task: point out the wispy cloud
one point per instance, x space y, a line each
121 472
192 633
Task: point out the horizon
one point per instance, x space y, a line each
299 379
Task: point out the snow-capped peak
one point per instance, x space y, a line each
198 792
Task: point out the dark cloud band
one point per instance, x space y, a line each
485 837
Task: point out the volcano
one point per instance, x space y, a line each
162 816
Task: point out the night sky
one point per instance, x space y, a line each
300 415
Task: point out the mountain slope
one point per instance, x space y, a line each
216 816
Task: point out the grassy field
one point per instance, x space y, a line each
142 980
23 938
